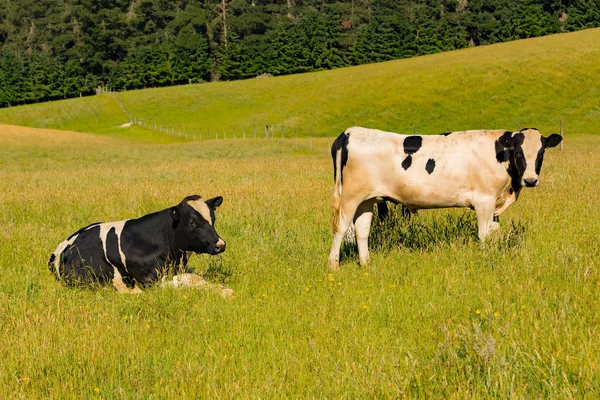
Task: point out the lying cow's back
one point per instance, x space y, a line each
103 251
424 171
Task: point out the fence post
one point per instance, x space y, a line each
296 137
255 130
244 131
281 133
561 134
267 131
311 139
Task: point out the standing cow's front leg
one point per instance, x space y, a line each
362 226
485 218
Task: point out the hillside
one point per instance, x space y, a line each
533 82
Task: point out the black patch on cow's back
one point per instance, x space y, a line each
82 229
407 162
83 261
340 143
430 166
446 133
412 144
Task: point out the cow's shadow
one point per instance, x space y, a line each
216 271
433 229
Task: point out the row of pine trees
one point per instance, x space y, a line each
54 49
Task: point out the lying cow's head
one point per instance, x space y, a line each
193 221
525 152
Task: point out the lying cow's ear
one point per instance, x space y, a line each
553 140
175 214
214 202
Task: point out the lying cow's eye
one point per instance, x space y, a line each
192 224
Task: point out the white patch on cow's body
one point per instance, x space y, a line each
200 206
120 285
531 146
104 229
58 252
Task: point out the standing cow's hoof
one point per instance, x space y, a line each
334 265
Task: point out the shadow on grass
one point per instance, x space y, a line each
217 271
425 232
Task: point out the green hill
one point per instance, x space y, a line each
534 82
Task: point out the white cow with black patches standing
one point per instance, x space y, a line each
480 169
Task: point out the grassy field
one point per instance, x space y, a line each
537 82
435 315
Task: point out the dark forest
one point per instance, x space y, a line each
54 49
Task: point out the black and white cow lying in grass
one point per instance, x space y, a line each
483 170
137 252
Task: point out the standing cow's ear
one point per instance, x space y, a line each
175 214
214 202
553 140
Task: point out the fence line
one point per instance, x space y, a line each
197 134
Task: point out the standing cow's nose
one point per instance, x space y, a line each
531 182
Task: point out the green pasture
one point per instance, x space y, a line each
435 315
535 82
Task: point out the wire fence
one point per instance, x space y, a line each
268 131
276 132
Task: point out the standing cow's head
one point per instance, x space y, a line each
525 153
194 224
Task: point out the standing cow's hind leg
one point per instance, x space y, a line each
345 218
362 226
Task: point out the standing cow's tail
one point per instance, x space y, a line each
339 154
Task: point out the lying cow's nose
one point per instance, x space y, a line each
531 182
220 246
